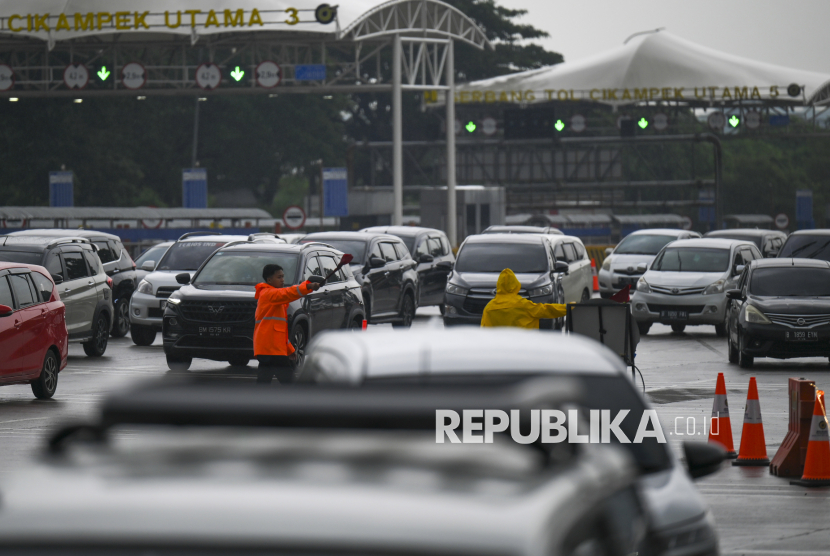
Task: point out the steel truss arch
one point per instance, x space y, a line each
421 18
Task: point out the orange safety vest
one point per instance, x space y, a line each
271 328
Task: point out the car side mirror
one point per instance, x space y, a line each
642 267
703 458
608 251
5 310
377 262
183 278
734 294
561 267
149 266
739 268
426 258
57 279
444 265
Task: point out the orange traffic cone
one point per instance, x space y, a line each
365 324
720 431
594 272
817 465
753 446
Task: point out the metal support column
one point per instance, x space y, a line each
452 227
397 135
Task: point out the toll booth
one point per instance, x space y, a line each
477 207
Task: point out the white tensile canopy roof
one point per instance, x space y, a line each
43 18
652 66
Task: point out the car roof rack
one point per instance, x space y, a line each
317 244
71 240
269 234
191 234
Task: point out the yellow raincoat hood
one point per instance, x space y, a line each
509 308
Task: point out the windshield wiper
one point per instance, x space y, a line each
800 249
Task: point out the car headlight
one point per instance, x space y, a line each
544 290
145 287
606 265
457 290
714 287
642 285
753 315
173 300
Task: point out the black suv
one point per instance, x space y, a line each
212 316
80 279
117 264
385 271
431 250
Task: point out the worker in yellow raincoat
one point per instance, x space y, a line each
509 308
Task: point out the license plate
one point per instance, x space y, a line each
674 315
801 336
162 305
215 331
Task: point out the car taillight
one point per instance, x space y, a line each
109 282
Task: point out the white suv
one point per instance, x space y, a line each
186 255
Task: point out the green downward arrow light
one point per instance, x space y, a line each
643 123
103 73
734 120
237 74
471 127
559 125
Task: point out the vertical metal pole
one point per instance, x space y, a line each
452 227
195 135
397 135
321 197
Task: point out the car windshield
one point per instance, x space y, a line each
521 258
790 281
188 255
757 240
678 259
643 244
355 247
807 247
151 254
244 268
614 393
24 257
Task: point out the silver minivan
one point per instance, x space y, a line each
687 283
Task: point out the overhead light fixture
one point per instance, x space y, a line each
141 98
202 99
78 100
13 99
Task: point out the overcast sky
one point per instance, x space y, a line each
791 33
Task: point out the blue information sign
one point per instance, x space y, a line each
335 192
706 213
194 188
804 209
310 72
61 189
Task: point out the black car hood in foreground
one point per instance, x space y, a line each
791 305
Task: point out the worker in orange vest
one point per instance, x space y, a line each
272 348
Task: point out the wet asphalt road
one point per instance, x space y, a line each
756 513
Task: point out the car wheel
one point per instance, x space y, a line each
733 351
586 295
720 329
100 336
179 364
744 361
678 328
443 309
643 327
239 362
121 324
142 335
407 313
356 324
299 338
44 386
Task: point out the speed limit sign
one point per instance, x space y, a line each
294 217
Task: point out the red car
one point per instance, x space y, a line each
34 341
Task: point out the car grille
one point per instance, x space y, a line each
235 342
155 313
218 311
799 321
655 308
669 290
478 298
165 291
624 270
